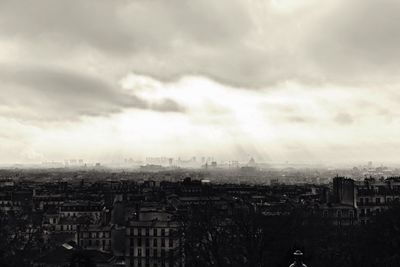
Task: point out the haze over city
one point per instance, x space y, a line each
199 133
280 80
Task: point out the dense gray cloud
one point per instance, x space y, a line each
247 43
322 67
358 42
43 93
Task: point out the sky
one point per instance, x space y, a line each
277 80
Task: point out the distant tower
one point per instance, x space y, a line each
252 163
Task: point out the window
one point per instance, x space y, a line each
155 232
139 252
147 231
139 242
162 232
147 242
163 242
163 253
170 242
155 253
147 253
339 213
378 200
155 242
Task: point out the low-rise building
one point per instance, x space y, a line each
96 237
375 196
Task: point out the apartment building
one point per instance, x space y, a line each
153 239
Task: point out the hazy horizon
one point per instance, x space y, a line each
279 80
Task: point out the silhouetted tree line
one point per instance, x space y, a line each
15 244
248 239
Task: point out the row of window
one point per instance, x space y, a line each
146 263
99 234
154 253
149 231
147 241
369 212
377 200
67 227
75 214
339 213
90 242
81 208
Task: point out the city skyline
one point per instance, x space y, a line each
279 80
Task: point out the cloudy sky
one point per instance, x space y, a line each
279 80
